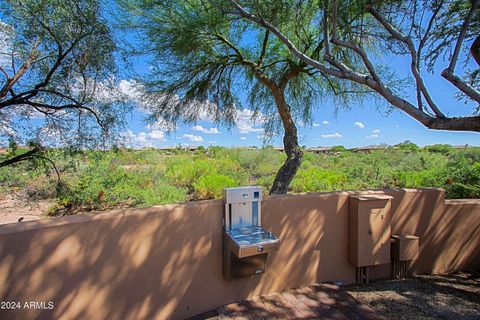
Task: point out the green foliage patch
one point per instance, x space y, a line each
95 180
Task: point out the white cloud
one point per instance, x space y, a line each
52 136
246 123
375 131
316 124
243 138
136 140
325 122
332 135
157 135
161 125
6 40
144 139
6 127
193 137
206 130
205 115
359 125
372 136
129 88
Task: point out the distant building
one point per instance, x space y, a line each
368 149
324 150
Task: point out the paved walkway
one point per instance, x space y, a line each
322 301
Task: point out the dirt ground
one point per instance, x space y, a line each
455 296
13 208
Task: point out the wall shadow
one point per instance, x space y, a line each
165 262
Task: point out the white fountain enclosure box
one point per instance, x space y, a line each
245 242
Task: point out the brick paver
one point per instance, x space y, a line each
319 301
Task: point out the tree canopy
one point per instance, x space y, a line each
57 73
427 33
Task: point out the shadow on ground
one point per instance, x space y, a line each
454 296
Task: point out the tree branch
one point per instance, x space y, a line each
461 85
5 73
229 44
461 36
357 49
449 73
291 73
397 35
64 107
475 50
21 157
58 62
458 124
264 48
17 75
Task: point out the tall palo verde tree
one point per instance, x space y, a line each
206 62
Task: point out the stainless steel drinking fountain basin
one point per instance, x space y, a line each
251 240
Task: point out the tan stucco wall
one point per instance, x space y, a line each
165 262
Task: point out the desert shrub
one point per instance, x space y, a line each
232 169
310 157
265 181
431 178
407 145
126 177
36 179
182 171
211 186
248 159
103 185
269 162
372 171
339 149
444 149
314 179
463 178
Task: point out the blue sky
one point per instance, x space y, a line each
363 124
366 123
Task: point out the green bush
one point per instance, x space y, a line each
339 149
407 145
314 179
265 181
444 149
463 180
104 185
211 186
182 171
126 177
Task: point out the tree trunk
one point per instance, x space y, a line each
292 149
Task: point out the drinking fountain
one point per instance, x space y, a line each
246 243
